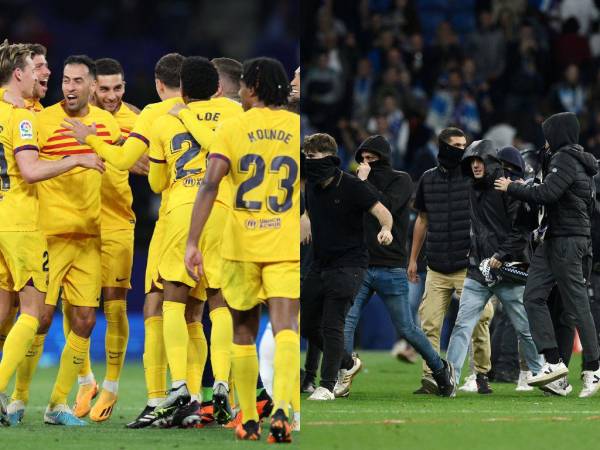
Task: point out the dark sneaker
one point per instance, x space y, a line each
162 415
308 384
264 404
142 419
221 408
444 379
280 430
249 431
483 384
428 386
187 416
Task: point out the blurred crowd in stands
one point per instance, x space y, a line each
406 69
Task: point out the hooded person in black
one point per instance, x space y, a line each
386 271
564 258
497 237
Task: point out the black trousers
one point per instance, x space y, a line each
564 325
566 262
325 298
313 354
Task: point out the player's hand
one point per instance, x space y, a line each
385 237
90 161
411 272
305 231
141 167
16 101
494 263
174 111
78 130
193 262
501 184
363 171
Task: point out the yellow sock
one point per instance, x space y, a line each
155 359
244 365
196 356
117 336
73 356
8 324
175 335
296 395
85 368
221 340
18 343
27 368
286 367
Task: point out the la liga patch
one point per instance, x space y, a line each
26 129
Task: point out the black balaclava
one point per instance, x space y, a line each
449 156
318 170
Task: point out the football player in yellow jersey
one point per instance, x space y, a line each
24 258
40 68
117 235
167 78
259 151
70 207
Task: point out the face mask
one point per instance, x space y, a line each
318 170
514 176
449 156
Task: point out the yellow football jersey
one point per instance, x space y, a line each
116 192
137 143
70 203
172 144
18 199
33 105
262 147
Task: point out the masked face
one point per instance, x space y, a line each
320 169
450 155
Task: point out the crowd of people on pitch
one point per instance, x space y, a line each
510 234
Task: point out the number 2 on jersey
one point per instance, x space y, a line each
287 184
177 144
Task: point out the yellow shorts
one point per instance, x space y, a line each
153 256
75 265
210 245
247 284
23 260
171 266
117 258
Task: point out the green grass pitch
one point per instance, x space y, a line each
32 434
382 413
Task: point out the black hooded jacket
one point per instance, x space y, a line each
393 189
495 225
568 190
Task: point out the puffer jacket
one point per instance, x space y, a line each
495 225
568 191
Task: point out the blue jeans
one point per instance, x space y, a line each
472 301
391 284
415 295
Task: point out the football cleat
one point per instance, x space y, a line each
249 431
264 404
141 419
15 412
103 407
162 415
62 415
83 401
221 408
280 430
187 416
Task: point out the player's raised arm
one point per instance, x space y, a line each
218 166
202 133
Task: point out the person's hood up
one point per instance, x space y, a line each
511 155
374 144
560 130
487 152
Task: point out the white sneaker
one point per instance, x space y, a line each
322 393
522 385
345 376
549 373
470 384
591 383
558 387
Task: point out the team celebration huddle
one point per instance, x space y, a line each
222 149
491 237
